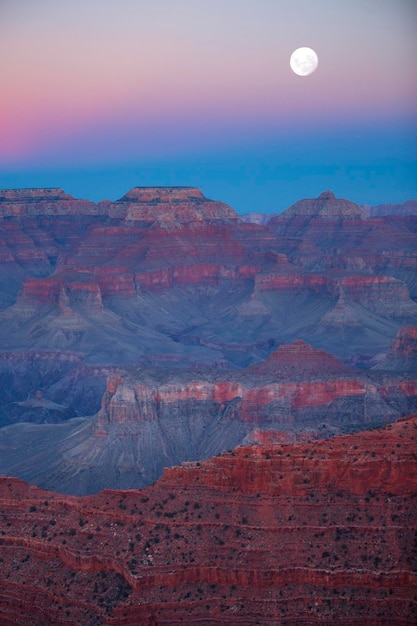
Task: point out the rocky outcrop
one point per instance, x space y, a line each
319 533
170 206
293 378
336 234
405 343
403 353
143 204
43 201
299 361
381 294
325 206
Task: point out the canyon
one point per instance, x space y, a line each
162 328
311 532
205 417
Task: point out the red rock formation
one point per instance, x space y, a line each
207 274
19 247
382 294
296 376
114 281
299 361
345 237
168 205
43 201
42 289
317 533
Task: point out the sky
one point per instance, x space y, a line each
99 96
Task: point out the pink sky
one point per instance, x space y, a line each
104 80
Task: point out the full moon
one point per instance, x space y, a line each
304 61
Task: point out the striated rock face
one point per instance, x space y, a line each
149 420
317 533
295 387
335 234
381 294
114 282
216 328
170 206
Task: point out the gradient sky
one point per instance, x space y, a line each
98 96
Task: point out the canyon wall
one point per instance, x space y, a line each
217 328
311 532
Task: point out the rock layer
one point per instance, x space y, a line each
149 420
316 533
192 308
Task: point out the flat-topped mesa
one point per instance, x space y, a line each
44 201
33 193
325 206
169 205
163 194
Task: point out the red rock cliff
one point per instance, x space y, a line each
305 533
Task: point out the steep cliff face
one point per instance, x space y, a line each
318 533
149 420
403 353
